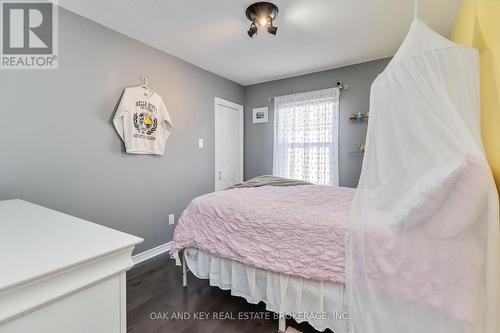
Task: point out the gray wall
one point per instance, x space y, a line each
59 148
259 137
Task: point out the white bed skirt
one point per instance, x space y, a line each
319 303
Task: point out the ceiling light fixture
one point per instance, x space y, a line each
262 14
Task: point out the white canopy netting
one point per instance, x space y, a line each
423 238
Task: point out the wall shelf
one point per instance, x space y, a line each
364 120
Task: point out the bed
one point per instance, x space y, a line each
274 240
283 243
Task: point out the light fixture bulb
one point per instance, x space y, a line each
272 30
252 31
263 21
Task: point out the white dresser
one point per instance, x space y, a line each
61 274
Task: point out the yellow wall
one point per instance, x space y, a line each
478 25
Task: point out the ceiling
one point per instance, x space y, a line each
313 35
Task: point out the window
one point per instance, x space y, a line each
306 136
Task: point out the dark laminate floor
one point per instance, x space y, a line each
155 287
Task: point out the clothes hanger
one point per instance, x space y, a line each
145 85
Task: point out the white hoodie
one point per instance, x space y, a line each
142 121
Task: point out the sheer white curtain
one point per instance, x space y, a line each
306 128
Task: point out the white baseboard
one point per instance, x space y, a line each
151 253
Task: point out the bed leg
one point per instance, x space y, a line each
282 323
184 271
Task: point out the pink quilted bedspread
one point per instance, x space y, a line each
301 231
298 230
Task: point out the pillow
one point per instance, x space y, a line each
428 193
464 203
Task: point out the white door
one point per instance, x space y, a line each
228 144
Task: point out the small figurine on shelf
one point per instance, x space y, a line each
358 116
